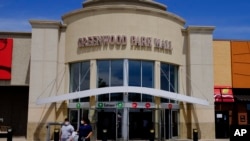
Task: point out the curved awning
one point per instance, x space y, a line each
223 94
128 89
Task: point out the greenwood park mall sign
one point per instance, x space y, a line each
122 40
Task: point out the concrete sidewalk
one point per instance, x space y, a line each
24 139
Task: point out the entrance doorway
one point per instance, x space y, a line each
221 124
109 124
140 123
168 124
135 124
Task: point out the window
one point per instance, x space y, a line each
141 74
80 78
110 73
169 79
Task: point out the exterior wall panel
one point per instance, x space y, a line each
111 22
240 64
222 63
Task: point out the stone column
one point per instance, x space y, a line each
200 83
43 77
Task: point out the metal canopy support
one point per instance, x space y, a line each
127 89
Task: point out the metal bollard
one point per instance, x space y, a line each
195 135
152 135
104 135
9 134
56 135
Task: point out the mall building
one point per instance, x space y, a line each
130 66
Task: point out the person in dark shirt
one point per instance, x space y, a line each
85 130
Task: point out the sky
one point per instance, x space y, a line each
230 18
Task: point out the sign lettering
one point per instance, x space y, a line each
121 40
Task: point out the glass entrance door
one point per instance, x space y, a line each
109 124
167 124
221 124
174 123
140 122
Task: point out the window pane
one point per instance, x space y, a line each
147 98
117 73
116 78
85 79
73 117
85 76
79 78
116 96
147 79
173 86
134 97
148 74
173 80
103 73
169 79
74 78
103 97
134 73
165 80
165 77
103 78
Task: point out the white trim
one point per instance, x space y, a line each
127 89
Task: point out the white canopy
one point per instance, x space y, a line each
128 89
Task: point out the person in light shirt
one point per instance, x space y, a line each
66 131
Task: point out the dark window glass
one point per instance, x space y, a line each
110 73
103 78
165 77
117 73
116 97
116 78
74 78
147 79
147 74
141 74
134 77
169 79
173 80
165 80
134 97
103 73
84 79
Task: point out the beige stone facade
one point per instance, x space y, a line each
54 45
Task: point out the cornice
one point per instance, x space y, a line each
124 8
200 29
45 23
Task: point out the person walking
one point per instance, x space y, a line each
85 130
66 131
